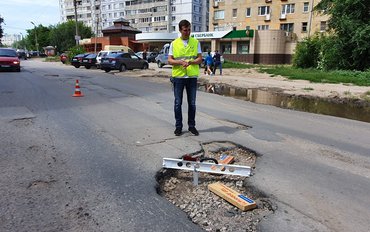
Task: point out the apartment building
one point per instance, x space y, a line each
293 16
164 15
88 12
9 39
145 15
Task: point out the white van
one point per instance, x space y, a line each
111 49
162 58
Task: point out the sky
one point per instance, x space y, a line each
18 14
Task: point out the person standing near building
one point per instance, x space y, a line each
144 54
185 55
217 62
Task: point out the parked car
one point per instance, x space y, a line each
77 59
22 54
122 62
63 57
9 60
150 56
89 61
102 54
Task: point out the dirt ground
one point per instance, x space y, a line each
250 78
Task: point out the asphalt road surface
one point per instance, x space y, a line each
89 163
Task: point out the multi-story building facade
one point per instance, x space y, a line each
294 16
145 15
88 11
164 15
9 39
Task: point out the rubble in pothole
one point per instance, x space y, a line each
209 211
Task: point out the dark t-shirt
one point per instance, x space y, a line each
217 57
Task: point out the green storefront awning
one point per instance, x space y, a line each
239 34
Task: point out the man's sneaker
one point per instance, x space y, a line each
178 131
193 130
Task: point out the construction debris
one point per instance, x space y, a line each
232 196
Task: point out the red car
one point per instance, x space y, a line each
9 60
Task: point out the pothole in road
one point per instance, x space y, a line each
203 207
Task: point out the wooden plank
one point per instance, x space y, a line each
232 196
226 159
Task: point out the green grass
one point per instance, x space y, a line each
230 64
52 59
317 76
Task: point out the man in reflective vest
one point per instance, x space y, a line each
185 55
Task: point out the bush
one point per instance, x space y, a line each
307 53
75 51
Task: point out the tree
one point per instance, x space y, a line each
1 29
348 46
63 35
42 34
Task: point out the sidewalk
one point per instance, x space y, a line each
251 79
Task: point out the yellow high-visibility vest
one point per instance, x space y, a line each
188 53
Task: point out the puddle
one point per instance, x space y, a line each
345 108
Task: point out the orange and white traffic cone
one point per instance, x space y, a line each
78 92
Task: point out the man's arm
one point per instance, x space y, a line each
172 61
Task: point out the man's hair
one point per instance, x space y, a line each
183 23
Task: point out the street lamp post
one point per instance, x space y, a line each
37 43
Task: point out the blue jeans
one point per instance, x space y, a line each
190 84
218 64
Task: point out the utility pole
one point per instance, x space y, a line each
77 37
96 34
37 43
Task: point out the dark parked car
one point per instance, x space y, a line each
22 54
77 59
122 62
9 60
89 61
151 57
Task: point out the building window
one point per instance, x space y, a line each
248 12
173 8
263 10
173 18
243 47
235 13
304 27
323 26
287 27
263 27
287 9
306 6
226 47
220 14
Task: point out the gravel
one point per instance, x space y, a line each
209 211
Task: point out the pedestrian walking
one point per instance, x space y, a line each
209 63
217 62
185 55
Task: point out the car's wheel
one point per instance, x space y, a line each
122 68
145 66
160 65
87 67
107 70
77 65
